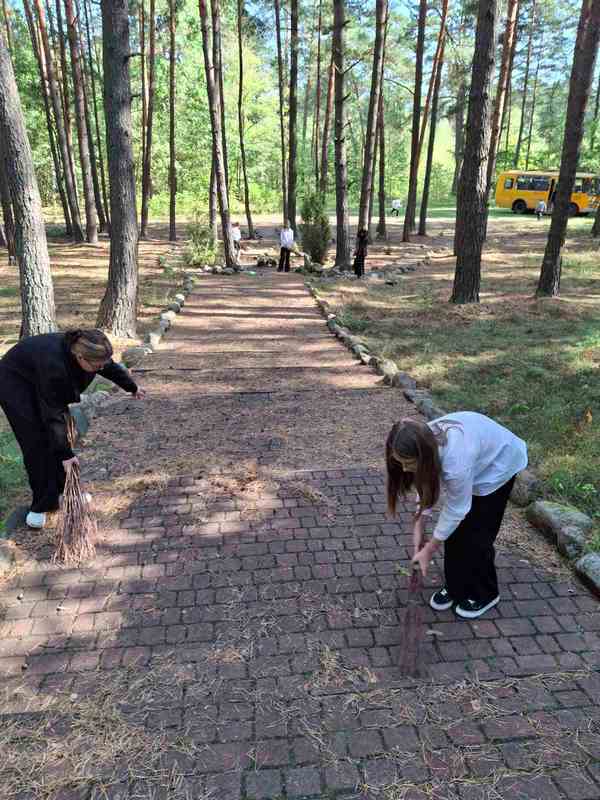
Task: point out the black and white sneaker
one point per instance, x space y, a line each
471 609
441 600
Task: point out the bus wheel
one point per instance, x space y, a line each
519 207
573 209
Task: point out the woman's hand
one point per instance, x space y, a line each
70 462
140 394
418 532
423 558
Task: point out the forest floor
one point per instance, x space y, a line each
240 633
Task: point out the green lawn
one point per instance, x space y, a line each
12 475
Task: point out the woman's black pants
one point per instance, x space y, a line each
284 260
44 470
469 554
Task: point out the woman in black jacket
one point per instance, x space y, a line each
39 377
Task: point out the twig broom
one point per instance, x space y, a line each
410 665
77 527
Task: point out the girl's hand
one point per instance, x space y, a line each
70 462
418 531
140 394
422 559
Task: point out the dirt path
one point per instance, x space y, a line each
240 631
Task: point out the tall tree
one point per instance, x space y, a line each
324 170
280 77
7 214
582 71
381 7
292 138
57 34
431 145
218 67
37 294
471 207
432 78
147 168
317 116
143 68
60 128
9 36
91 226
411 202
381 225
240 7
342 248
172 87
459 133
118 309
212 90
532 21
508 42
533 104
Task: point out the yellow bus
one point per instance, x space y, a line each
521 191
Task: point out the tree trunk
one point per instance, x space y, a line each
594 125
507 108
432 77
324 171
143 66
58 170
281 112
240 7
459 134
342 249
471 208
584 60
218 65
411 202
118 309
381 7
525 86
147 170
60 38
172 165
431 145
37 295
382 224
91 227
212 90
105 203
505 64
7 213
9 36
213 204
317 119
60 129
292 138
532 110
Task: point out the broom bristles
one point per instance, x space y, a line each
77 528
413 629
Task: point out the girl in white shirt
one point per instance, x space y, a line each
286 239
470 462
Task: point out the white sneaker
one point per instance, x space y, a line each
35 520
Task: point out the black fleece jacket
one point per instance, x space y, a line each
46 365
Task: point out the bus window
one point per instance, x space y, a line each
587 185
508 183
524 182
540 184
577 186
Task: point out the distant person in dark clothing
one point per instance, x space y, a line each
360 254
39 377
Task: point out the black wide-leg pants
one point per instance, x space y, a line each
44 470
469 555
284 260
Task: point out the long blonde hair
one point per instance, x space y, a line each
409 439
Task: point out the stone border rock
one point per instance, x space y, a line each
564 526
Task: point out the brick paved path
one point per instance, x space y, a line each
240 632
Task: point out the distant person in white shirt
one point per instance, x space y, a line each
286 239
236 235
540 209
396 207
470 462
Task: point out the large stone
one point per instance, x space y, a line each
526 489
588 567
571 542
153 338
174 306
389 370
7 557
404 381
168 315
179 298
133 355
552 518
81 419
428 408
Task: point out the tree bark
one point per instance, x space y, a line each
317 117
143 65
381 10
459 134
281 111
118 309
91 53
91 227
342 249
594 125
584 60
7 213
218 65
60 129
240 7
431 145
532 110
213 204
517 157
9 36
432 77
471 208
382 224
212 90
58 37
411 202
324 171
292 138
37 294
147 170
505 64
172 88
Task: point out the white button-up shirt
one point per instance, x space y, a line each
286 237
478 458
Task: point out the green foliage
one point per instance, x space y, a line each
200 249
315 231
12 474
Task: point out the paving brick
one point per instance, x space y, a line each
514 727
303 782
262 784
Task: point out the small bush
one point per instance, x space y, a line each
201 248
315 231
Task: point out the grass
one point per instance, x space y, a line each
12 475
